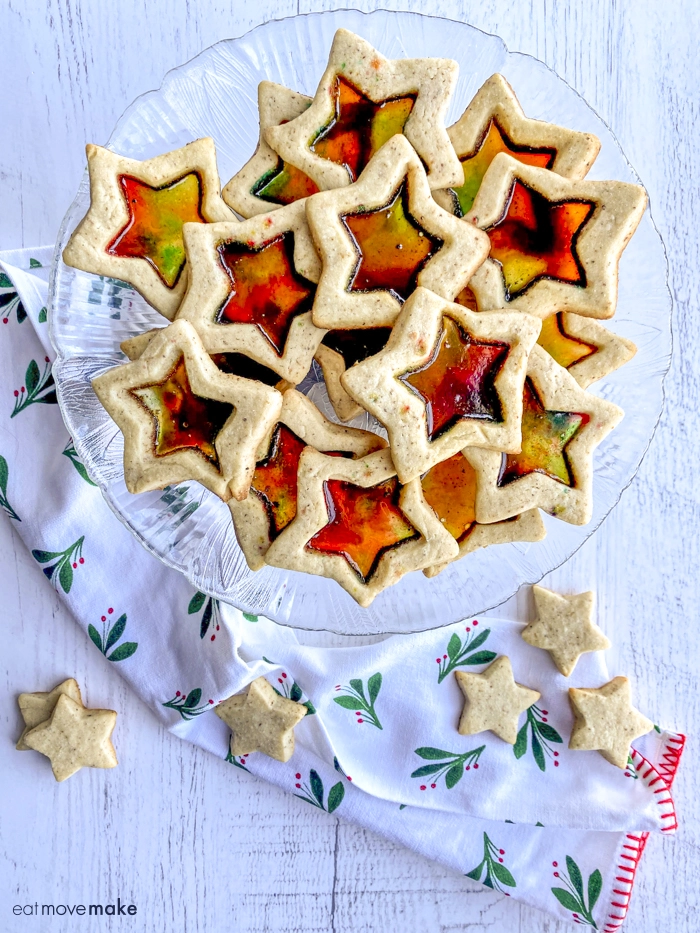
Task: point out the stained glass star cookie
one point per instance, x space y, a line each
449 488
183 418
363 99
494 122
557 243
606 721
383 236
266 181
252 287
447 378
586 348
261 721
133 229
272 502
358 525
561 426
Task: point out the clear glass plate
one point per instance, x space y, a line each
187 527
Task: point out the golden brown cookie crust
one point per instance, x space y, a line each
108 215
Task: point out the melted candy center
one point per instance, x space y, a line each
565 349
391 247
154 229
238 364
284 184
536 239
474 164
357 345
362 524
450 489
458 380
275 479
183 420
265 288
359 127
546 435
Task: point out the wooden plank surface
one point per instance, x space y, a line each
198 845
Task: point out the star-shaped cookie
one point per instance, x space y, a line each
561 426
448 378
493 701
251 289
606 721
449 488
363 99
558 242
494 122
261 721
586 348
37 707
183 418
357 525
75 737
564 627
266 181
133 229
384 235
272 502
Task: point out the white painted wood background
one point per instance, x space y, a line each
200 846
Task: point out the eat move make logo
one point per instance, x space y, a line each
60 910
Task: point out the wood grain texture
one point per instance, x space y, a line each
196 844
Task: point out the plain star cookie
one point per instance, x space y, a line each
75 737
557 242
363 99
586 348
37 707
358 525
384 235
261 721
266 181
133 229
448 378
272 502
564 627
449 488
561 427
494 122
183 418
252 287
606 721
493 701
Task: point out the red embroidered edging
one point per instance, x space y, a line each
634 844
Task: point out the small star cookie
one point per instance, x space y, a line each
261 721
584 347
448 378
37 707
556 243
561 426
133 229
364 99
494 122
384 235
183 418
252 287
606 721
75 737
493 701
449 488
356 524
272 502
564 627
266 181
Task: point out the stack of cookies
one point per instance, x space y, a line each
450 282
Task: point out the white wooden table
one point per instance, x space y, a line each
198 845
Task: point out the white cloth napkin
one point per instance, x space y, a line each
561 830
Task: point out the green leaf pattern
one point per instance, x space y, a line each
110 636
313 792
61 564
491 870
465 653
572 896
354 699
